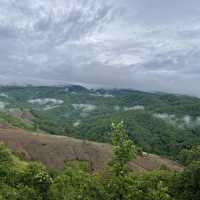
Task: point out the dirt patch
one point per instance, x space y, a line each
4 126
54 151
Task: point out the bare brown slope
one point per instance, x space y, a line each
53 151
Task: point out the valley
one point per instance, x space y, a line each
78 143
158 123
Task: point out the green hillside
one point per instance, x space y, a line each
20 180
158 122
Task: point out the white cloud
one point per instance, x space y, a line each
84 107
46 101
136 107
2 105
4 95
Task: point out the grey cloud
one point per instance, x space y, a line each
170 11
140 44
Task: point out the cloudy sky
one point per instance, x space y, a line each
149 45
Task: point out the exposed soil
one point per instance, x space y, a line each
54 151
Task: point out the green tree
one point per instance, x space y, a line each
37 177
76 183
188 156
123 148
7 172
7 192
161 192
119 184
187 184
27 193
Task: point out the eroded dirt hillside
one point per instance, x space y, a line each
54 151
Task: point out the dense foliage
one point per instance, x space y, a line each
20 180
159 123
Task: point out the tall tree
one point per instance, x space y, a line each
123 148
118 184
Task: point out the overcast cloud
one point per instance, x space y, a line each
150 45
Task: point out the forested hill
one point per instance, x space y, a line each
159 123
125 175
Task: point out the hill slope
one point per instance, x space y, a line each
159 123
54 151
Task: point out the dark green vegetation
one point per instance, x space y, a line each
20 180
8 119
158 123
